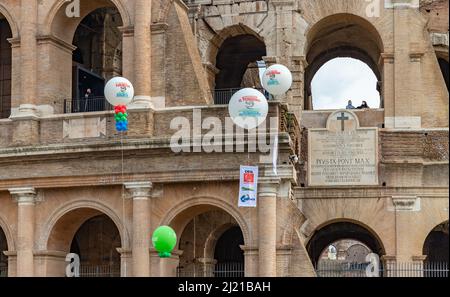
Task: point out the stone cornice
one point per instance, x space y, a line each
47 253
180 176
369 192
155 28
43 39
15 42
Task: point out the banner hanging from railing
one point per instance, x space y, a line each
248 186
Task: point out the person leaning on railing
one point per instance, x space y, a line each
363 106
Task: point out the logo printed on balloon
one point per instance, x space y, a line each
277 79
273 81
248 108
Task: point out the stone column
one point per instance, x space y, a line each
142 53
250 260
26 200
417 266
267 226
125 262
389 266
25 113
28 51
140 193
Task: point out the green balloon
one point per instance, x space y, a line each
164 241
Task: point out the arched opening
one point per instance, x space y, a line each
436 244
5 68
229 255
97 58
210 239
444 66
342 36
340 249
93 236
96 242
344 83
3 258
239 63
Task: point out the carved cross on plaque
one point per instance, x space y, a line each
343 118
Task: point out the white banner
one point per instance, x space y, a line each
248 186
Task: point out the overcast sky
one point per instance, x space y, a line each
343 79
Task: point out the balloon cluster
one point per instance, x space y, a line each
119 92
164 241
248 107
121 118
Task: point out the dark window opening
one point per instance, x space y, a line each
5 69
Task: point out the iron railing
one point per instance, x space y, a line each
222 270
99 270
223 96
399 269
3 271
86 105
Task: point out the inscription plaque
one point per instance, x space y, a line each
343 154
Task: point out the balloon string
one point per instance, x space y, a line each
195 244
123 198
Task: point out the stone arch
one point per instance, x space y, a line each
434 244
227 32
161 10
338 36
213 237
8 234
59 25
68 218
4 11
331 231
180 215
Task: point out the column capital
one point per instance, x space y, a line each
268 185
388 258
139 190
24 195
419 258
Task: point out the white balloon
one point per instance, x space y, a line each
248 108
277 79
119 91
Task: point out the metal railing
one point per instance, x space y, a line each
3 271
222 270
399 269
99 270
86 105
223 96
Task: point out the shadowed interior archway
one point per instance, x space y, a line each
333 232
206 232
95 41
92 235
342 36
97 58
3 258
5 68
444 66
436 245
235 56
